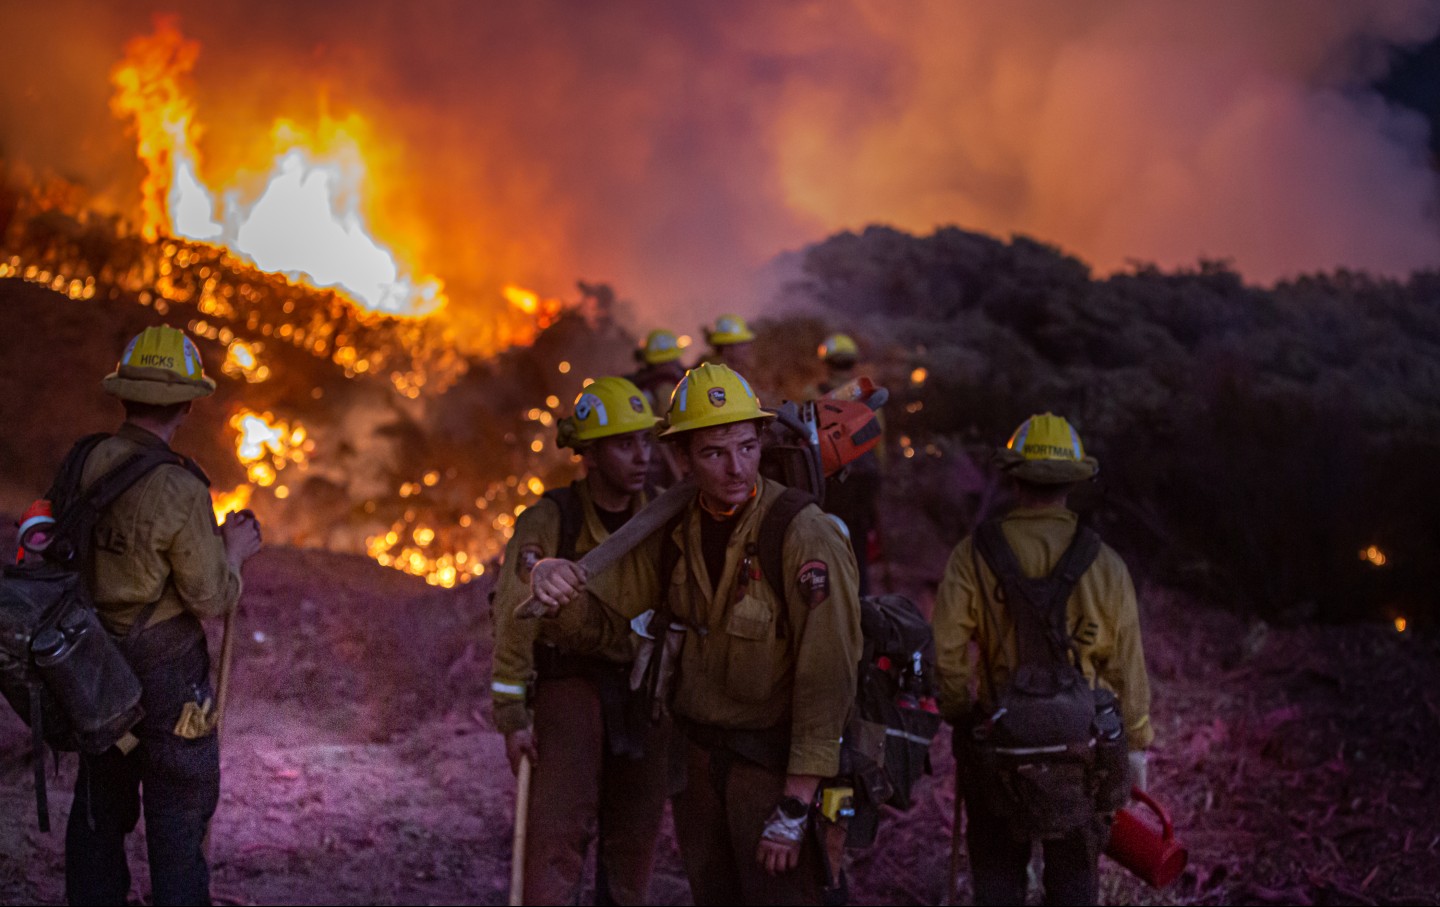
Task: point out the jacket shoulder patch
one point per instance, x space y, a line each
814 582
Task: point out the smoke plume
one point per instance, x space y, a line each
674 148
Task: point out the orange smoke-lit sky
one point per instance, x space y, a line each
676 148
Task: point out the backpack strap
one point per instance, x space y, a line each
37 749
80 509
572 519
770 543
1037 605
770 547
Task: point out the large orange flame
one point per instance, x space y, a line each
305 223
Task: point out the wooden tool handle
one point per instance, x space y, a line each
625 539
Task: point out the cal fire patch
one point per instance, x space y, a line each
815 582
530 555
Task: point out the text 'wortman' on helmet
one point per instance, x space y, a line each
711 395
608 407
839 348
160 366
728 329
1046 450
660 346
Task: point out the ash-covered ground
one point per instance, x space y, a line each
360 764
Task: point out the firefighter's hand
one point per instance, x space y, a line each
555 582
776 858
519 745
241 534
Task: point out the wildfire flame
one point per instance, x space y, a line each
230 501
306 223
265 445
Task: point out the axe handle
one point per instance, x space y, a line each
625 539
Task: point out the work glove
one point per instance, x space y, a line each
1139 770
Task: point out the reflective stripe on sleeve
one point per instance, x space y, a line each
516 690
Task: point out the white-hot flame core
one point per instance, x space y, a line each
302 226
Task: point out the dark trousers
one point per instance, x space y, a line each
179 778
718 820
580 790
998 862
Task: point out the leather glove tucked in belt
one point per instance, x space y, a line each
1139 770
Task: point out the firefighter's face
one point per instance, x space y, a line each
725 461
622 461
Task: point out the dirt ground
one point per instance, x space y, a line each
360 764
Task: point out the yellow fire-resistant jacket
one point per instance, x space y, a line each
735 673
157 542
598 624
1102 614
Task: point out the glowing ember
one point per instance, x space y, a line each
1374 555
266 445
1400 625
544 311
241 362
918 376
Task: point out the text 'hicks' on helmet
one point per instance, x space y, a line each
160 366
659 347
1046 450
608 407
839 348
729 329
711 395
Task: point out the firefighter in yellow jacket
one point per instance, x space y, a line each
765 680
160 565
559 686
1045 460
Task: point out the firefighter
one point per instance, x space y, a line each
658 373
853 494
160 564
659 368
731 342
559 687
765 681
1044 460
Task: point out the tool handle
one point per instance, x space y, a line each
517 849
625 539
1168 827
227 657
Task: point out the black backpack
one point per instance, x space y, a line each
886 745
61 671
1052 752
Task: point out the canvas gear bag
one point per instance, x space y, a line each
60 669
1051 753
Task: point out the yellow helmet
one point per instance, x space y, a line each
608 407
839 346
160 366
711 395
659 347
1045 449
729 329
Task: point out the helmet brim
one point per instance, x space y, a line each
714 421
156 386
1047 472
